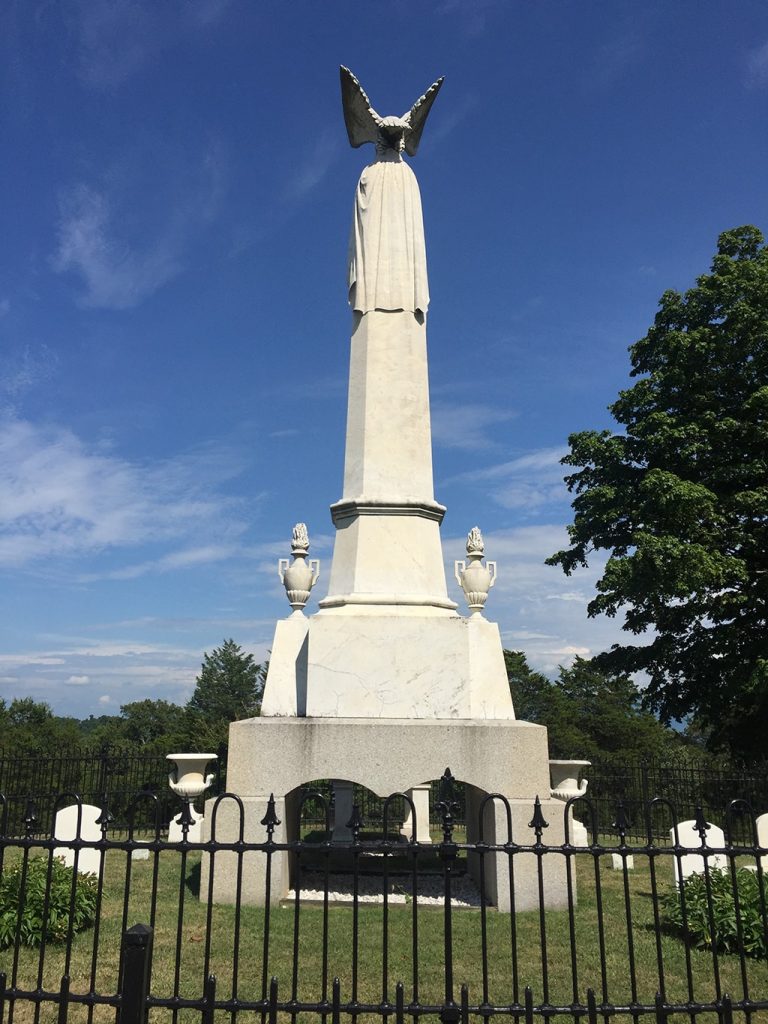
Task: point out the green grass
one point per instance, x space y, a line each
243 946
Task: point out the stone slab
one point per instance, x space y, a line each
388 755
383 664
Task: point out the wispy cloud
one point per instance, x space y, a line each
620 55
446 123
115 275
468 427
528 482
756 71
313 169
60 497
117 38
472 15
22 371
187 558
93 241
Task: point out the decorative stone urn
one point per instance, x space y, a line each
475 579
188 780
300 576
564 778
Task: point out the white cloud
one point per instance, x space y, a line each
468 427
756 75
78 680
528 482
105 699
115 275
59 497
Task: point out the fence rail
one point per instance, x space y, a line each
115 774
379 928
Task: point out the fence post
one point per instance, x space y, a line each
135 974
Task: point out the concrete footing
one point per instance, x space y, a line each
279 756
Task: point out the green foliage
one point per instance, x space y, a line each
230 687
721 931
588 712
151 721
26 723
66 909
679 499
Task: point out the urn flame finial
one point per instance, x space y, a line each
301 575
474 578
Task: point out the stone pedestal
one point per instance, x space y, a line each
420 798
387 756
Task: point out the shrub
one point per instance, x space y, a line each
721 931
29 903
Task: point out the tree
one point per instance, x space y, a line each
679 498
145 722
230 686
27 724
588 712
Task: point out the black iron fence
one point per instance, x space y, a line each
507 925
711 788
117 773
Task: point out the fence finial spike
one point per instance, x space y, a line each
270 820
701 825
538 823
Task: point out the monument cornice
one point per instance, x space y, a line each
350 508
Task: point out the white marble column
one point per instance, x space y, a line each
420 797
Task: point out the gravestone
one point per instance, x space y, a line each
693 863
65 829
761 826
618 862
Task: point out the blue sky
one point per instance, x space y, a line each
175 198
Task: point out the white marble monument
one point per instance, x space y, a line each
387 683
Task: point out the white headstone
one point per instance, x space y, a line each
175 834
693 863
761 825
65 829
618 862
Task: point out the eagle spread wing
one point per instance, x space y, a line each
365 125
417 117
361 119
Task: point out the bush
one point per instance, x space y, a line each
722 931
36 924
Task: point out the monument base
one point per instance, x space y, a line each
280 755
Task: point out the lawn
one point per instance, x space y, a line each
232 943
